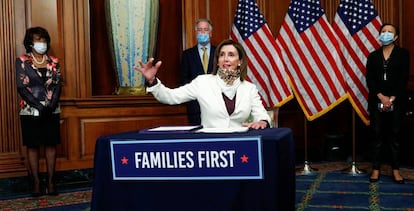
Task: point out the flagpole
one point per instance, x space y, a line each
307 169
353 170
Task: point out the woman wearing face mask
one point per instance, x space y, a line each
39 87
387 76
226 99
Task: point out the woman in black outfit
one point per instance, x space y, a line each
387 76
39 86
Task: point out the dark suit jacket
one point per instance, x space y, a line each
397 77
191 67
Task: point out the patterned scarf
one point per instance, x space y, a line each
228 76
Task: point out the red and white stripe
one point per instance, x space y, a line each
314 66
265 68
355 50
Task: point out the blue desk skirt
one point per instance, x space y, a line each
275 192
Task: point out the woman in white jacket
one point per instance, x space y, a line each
226 99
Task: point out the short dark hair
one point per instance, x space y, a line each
242 57
397 31
28 37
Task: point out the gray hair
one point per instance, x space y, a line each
203 20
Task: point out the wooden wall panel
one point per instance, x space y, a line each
407 34
92 128
169 43
11 159
192 12
89 107
274 12
63 147
73 26
87 119
103 79
221 18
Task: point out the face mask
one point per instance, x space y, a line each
386 38
40 47
203 38
228 76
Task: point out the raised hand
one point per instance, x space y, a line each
148 70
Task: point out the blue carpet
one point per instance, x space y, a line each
325 190
335 190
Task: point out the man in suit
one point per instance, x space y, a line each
192 64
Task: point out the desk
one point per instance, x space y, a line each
275 192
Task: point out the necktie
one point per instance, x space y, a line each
205 59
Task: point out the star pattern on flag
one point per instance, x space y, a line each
356 14
244 159
124 161
304 14
249 20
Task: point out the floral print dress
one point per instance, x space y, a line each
39 90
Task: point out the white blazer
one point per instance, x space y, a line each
206 91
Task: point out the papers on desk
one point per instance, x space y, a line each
172 129
196 128
223 130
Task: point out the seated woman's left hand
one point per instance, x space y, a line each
256 125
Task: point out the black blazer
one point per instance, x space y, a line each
397 76
192 66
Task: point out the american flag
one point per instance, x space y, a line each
264 68
310 51
357 25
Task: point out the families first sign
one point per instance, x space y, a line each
187 159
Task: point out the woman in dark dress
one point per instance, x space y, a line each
387 77
39 86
